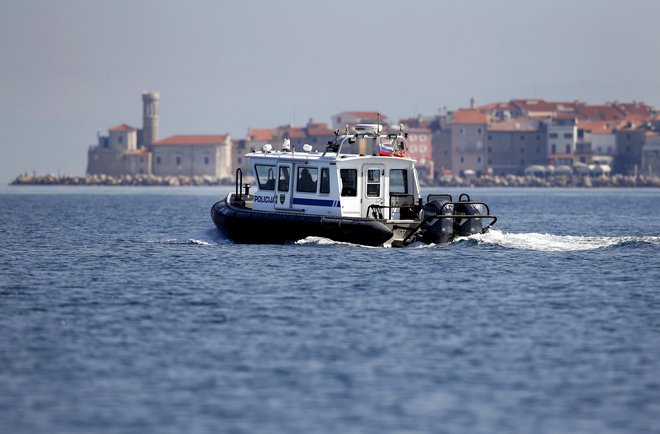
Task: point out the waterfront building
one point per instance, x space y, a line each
468 134
193 155
561 139
117 153
420 149
629 143
651 155
514 145
127 150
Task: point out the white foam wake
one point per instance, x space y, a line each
554 243
320 241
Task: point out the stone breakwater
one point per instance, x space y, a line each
554 181
443 181
143 180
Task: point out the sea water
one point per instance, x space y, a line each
125 310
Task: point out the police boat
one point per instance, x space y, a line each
372 200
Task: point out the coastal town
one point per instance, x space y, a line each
521 142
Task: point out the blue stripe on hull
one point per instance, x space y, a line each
315 202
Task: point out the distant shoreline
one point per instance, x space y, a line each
443 181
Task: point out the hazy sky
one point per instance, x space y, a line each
70 68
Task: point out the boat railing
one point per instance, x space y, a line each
242 192
404 203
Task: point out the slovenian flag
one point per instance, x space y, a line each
385 150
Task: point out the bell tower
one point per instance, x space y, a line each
150 117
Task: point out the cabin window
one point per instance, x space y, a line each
325 180
307 179
349 182
399 181
373 183
265 176
283 180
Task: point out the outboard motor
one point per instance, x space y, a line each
464 227
434 229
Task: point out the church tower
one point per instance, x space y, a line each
150 116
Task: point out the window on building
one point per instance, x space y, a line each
538 137
568 135
120 139
265 176
553 135
206 160
348 182
178 161
399 181
141 159
553 149
478 130
325 181
490 162
490 137
522 137
423 148
490 149
373 183
462 130
478 159
157 160
307 179
568 149
522 150
462 160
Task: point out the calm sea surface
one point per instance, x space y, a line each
123 310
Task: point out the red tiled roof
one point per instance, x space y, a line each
535 105
122 127
634 108
603 112
367 114
292 132
518 124
497 106
261 134
596 127
319 130
193 139
469 116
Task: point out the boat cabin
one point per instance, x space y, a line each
336 184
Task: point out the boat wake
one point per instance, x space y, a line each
320 241
188 241
208 237
555 243
517 241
